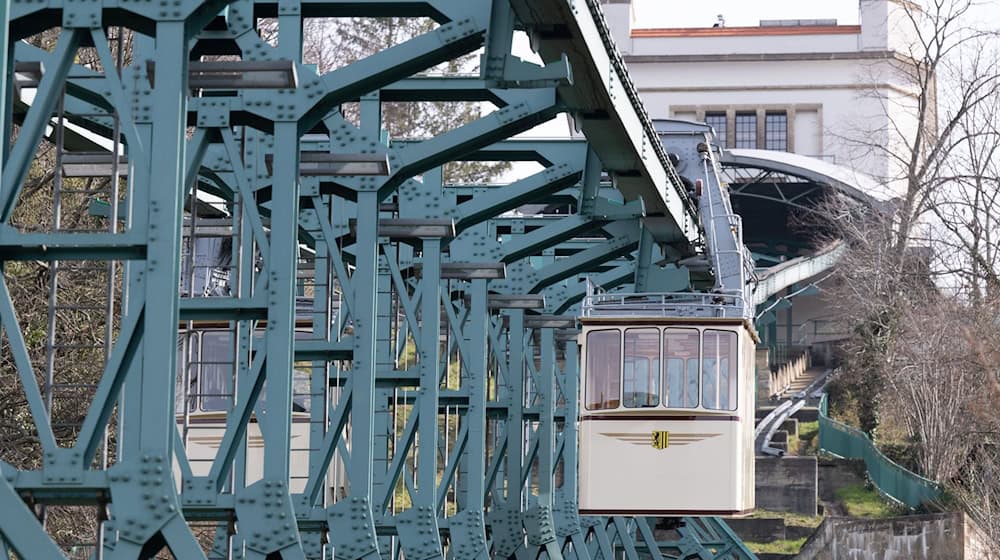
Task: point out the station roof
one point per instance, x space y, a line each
851 183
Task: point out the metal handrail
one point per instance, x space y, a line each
890 478
664 304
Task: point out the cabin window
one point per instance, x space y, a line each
216 370
641 372
604 360
680 359
205 371
719 378
186 342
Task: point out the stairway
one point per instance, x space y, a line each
802 381
786 485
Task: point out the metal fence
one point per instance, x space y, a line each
890 478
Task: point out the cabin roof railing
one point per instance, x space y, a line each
665 304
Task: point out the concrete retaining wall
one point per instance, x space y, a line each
939 536
758 529
787 484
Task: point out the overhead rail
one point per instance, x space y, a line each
774 279
606 107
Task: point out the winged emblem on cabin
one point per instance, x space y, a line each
659 439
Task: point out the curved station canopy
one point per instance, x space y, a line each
779 194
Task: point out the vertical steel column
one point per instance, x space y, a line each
546 422
363 371
477 337
385 409
282 266
506 524
137 203
144 500
571 387
417 526
468 529
538 520
281 302
166 201
319 380
515 416
430 362
570 481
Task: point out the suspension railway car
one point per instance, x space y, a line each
206 377
204 395
667 411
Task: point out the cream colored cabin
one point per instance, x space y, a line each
666 418
205 383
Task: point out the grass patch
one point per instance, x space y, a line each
861 501
808 437
788 546
808 430
792 519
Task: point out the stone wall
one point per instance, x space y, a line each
938 536
787 484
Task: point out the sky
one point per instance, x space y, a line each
685 13
737 13
702 13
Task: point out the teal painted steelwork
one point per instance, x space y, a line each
437 423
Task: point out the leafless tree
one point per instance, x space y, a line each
331 43
945 70
966 213
938 382
946 78
976 486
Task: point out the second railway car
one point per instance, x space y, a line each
667 412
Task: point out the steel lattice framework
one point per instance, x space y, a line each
427 327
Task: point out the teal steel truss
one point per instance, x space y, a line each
316 347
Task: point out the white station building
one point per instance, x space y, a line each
810 96
811 87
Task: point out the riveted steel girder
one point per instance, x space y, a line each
331 375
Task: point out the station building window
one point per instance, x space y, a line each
641 371
746 130
718 123
680 357
604 361
776 131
